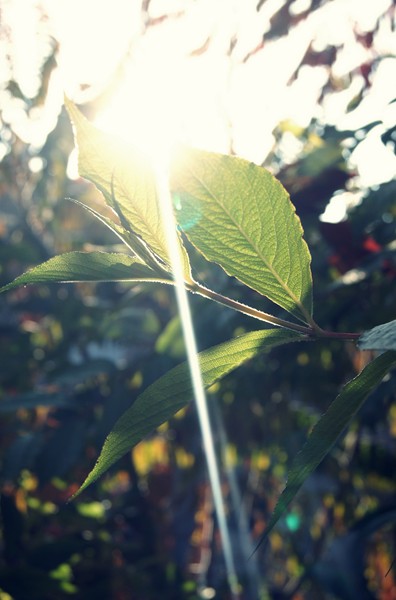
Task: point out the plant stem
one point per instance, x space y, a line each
248 310
336 335
313 332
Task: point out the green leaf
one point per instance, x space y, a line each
239 216
328 429
128 184
87 266
171 392
382 337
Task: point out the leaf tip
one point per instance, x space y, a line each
83 486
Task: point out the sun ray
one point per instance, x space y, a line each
166 205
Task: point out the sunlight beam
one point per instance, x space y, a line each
168 217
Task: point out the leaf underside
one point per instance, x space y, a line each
161 400
239 216
328 429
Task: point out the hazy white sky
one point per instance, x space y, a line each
181 82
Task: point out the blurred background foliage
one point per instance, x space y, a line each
74 357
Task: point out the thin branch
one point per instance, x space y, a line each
313 331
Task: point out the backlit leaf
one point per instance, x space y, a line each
239 216
171 392
87 266
127 181
328 429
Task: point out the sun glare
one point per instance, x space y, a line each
143 111
196 71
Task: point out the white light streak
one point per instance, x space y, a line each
165 202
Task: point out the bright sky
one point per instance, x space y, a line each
179 81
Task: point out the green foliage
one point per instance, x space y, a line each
239 216
76 358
